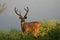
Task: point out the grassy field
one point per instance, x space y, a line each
49 30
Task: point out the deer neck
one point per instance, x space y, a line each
22 23
23 26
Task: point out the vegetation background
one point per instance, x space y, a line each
49 30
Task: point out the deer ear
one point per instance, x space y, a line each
25 17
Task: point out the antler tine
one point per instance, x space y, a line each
17 12
26 9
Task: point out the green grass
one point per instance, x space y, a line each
49 30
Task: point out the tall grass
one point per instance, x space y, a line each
49 30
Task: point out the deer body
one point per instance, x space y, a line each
28 26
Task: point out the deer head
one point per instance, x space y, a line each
19 13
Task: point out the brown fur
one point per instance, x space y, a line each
31 27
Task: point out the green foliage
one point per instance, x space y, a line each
49 30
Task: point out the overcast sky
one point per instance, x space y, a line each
38 10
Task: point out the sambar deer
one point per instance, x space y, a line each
28 26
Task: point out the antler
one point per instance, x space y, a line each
26 9
16 11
